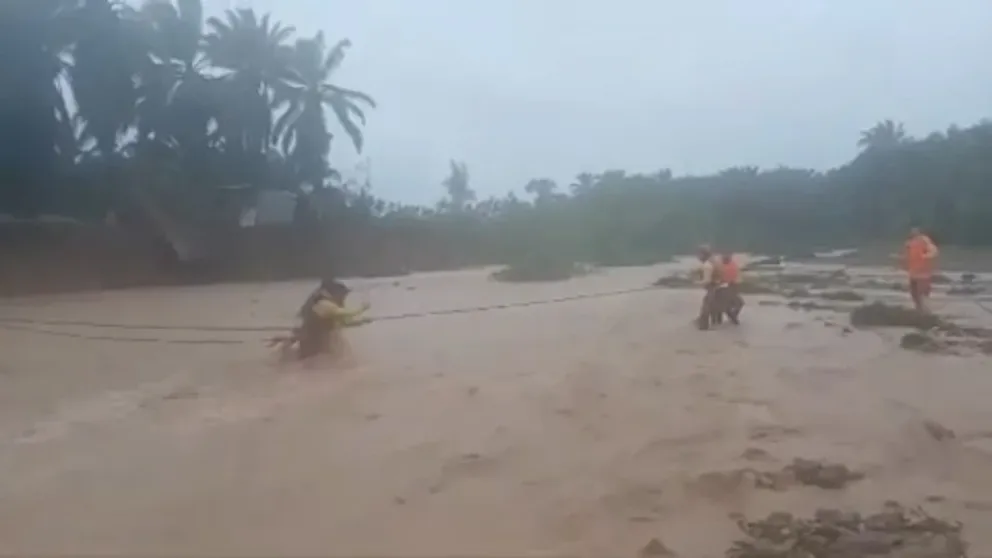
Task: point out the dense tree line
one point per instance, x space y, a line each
942 182
102 103
99 99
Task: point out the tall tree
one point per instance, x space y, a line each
254 55
884 135
177 99
543 189
35 125
303 125
106 59
460 194
584 183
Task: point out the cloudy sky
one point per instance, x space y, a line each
549 88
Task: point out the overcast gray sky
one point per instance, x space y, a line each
520 89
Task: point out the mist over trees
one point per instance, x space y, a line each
108 108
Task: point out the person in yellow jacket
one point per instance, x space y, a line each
323 316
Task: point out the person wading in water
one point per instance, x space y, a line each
709 279
729 295
323 317
918 258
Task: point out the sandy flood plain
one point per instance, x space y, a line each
581 428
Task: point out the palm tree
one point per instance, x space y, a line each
176 101
460 194
303 125
253 54
884 135
584 183
543 189
35 125
106 58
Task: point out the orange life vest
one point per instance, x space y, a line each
918 265
731 273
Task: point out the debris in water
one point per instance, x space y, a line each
805 472
968 277
810 305
181 393
880 285
965 290
847 296
879 314
656 548
839 275
896 531
949 338
675 282
920 341
756 454
822 474
755 287
794 278
938 431
764 262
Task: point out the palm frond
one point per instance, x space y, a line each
343 114
334 90
335 56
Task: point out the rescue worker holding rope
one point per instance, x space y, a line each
323 316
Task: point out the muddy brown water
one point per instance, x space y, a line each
582 428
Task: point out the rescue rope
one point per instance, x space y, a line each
30 325
26 328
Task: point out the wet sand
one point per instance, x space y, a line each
581 428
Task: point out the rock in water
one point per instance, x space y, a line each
938 431
895 532
675 281
879 314
656 549
965 290
830 476
845 296
918 341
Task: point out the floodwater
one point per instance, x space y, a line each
579 428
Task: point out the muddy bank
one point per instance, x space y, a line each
60 257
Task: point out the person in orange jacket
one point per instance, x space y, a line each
731 302
919 255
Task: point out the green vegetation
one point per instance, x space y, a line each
197 114
539 267
194 117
